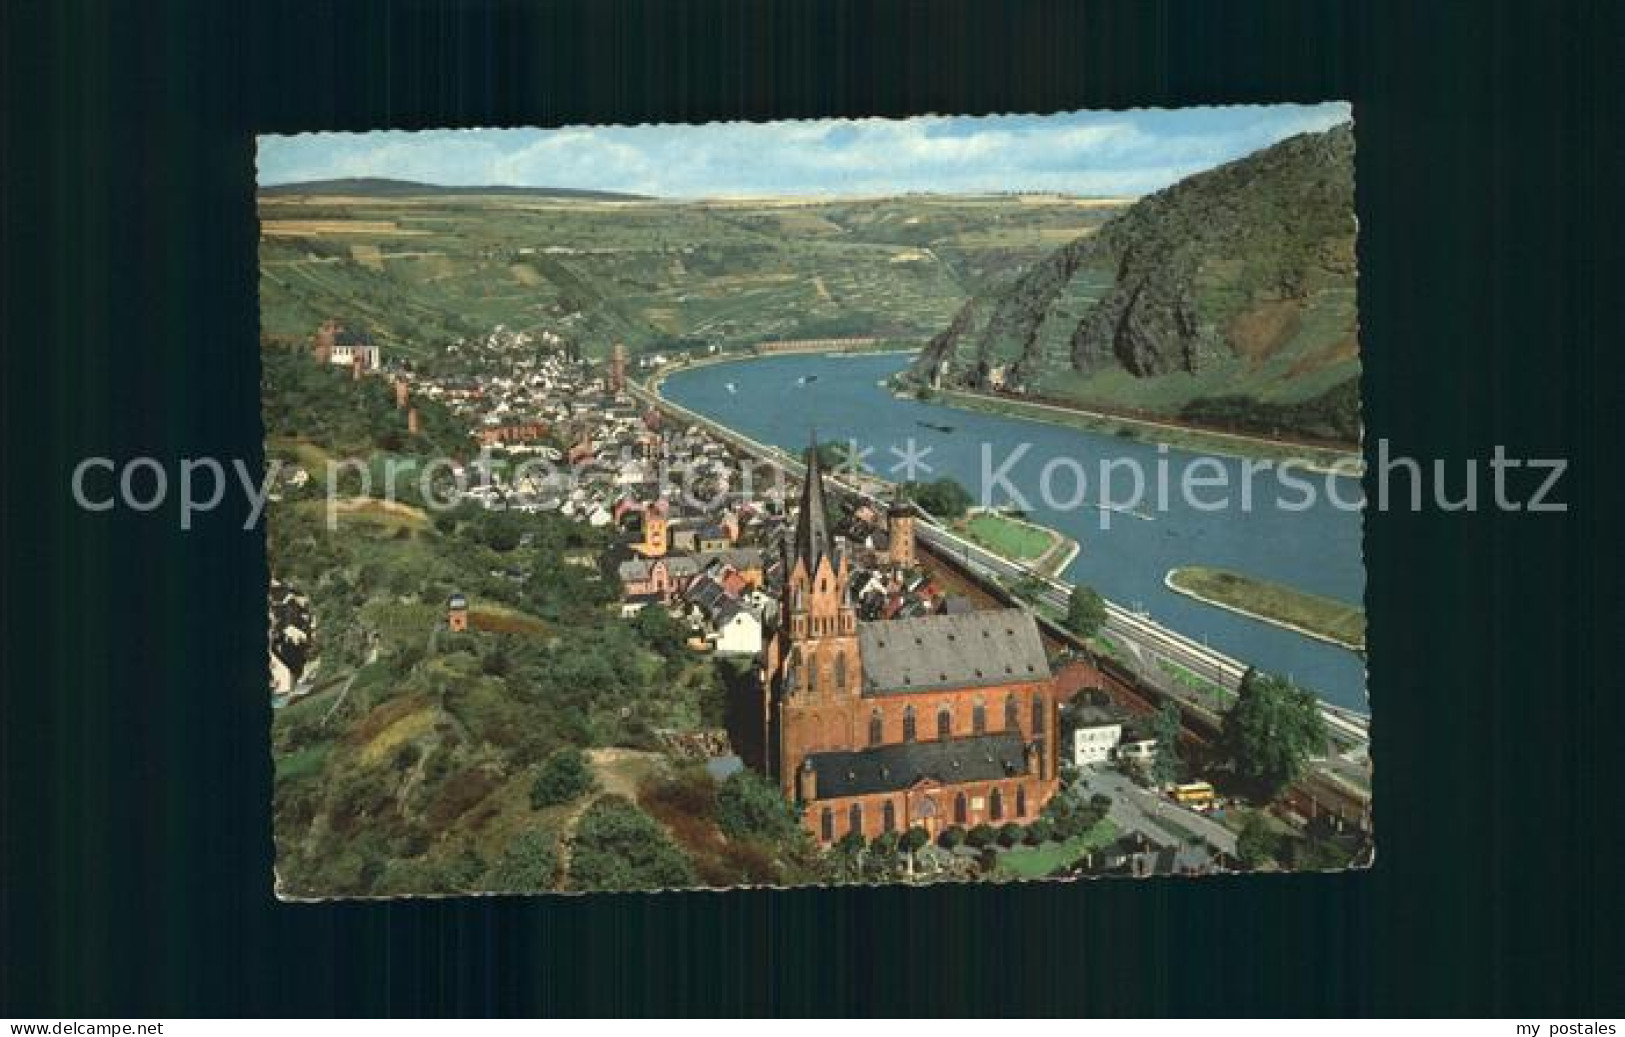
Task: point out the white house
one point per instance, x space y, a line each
1096 738
281 676
738 632
345 354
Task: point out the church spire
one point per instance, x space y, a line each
813 539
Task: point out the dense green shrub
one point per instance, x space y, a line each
751 807
530 864
1334 414
943 498
619 847
564 776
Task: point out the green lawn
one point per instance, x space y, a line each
1185 835
1036 862
1104 644
1018 541
1235 819
1201 685
303 762
1273 602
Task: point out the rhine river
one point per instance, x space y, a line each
780 399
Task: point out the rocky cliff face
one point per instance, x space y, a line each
1227 298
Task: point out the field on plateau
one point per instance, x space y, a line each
420 272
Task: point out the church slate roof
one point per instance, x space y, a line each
634 570
929 653
346 335
738 557
892 768
812 538
638 570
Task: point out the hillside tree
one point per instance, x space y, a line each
530 864
1165 727
1085 611
751 807
943 498
564 776
619 847
1272 731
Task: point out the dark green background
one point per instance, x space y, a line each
133 748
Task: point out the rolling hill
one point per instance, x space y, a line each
421 268
385 187
1226 300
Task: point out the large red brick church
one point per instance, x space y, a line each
881 726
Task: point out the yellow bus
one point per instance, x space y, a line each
1196 794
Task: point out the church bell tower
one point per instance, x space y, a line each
816 671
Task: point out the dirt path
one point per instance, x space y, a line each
344 693
618 772
1062 550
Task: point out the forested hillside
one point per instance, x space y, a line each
1227 299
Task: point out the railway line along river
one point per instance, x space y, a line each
1296 529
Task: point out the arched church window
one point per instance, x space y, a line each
1012 713
826 826
978 718
995 805
1021 801
945 723
888 817
960 813
877 728
1038 714
840 671
908 724
854 819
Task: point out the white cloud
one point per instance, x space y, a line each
1082 152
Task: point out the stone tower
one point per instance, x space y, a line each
656 527
617 368
322 344
900 531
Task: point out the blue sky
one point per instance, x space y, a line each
1087 153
